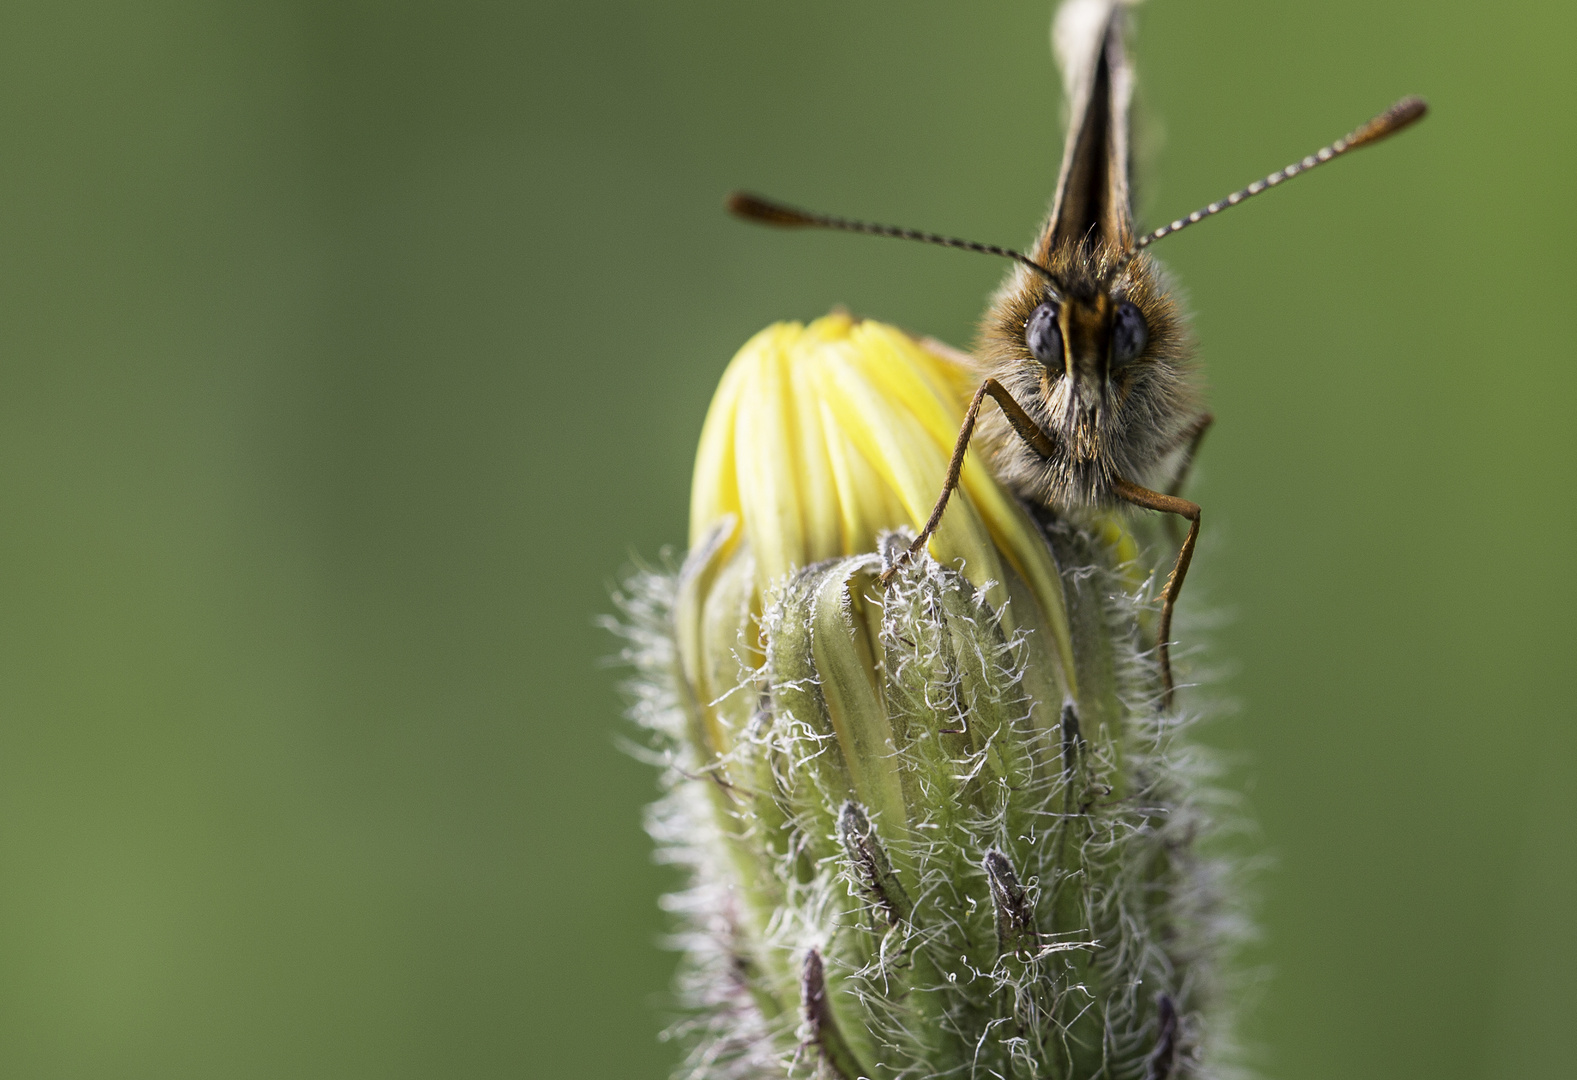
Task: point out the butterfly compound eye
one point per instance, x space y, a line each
1044 336
1129 334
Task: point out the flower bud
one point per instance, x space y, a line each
934 827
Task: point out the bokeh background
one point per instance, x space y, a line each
350 350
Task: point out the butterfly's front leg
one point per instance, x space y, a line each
1022 423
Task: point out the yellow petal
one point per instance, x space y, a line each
820 437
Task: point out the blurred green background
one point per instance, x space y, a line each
351 349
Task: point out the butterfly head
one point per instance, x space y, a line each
1096 345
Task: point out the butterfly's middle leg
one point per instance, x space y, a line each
1167 504
1193 435
1022 423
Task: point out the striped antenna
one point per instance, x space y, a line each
1398 116
766 212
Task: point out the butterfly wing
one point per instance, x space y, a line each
1092 202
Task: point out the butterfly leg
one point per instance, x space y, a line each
1167 504
1194 434
1022 423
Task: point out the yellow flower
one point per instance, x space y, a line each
821 437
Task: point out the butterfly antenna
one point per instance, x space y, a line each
766 212
1404 113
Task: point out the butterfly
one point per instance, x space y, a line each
1083 351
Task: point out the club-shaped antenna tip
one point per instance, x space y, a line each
1411 108
743 204
1408 111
